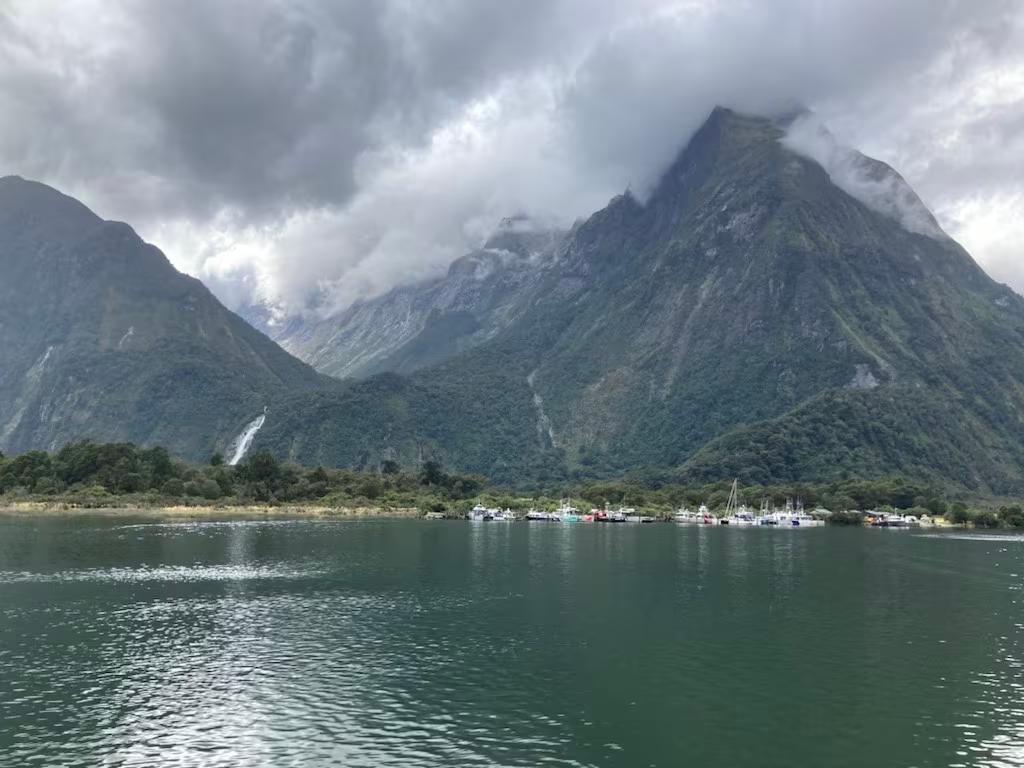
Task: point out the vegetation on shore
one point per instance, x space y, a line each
95 475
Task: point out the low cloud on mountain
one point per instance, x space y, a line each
310 153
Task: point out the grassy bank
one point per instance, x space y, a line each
173 511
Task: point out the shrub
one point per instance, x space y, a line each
985 519
371 488
957 513
173 487
208 488
1012 517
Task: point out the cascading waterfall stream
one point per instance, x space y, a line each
243 442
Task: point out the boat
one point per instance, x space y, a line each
537 515
735 512
743 517
797 518
504 516
629 514
566 512
686 517
803 520
480 513
766 515
892 520
706 518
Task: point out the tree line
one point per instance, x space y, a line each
96 473
91 472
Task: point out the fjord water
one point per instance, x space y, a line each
421 643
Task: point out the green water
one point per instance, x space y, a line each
420 643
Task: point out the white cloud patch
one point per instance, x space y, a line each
873 183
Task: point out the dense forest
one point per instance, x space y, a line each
121 474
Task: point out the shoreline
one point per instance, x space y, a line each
30 509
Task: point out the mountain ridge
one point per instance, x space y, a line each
100 337
758 316
749 285
413 326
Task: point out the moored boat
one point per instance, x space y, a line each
686 517
480 513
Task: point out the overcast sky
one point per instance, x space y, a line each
310 153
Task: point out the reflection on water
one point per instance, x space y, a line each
234 574
421 644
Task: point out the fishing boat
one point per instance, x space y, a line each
480 513
797 518
766 515
537 515
566 512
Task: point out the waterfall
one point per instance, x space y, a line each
243 442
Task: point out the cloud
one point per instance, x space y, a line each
310 153
872 182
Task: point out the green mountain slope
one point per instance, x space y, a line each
101 338
749 300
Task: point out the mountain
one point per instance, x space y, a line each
101 338
758 316
414 326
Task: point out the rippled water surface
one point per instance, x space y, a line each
445 643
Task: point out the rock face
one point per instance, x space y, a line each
100 337
759 315
418 325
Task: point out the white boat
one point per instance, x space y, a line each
735 512
480 513
803 520
797 518
743 517
503 516
686 517
766 515
629 514
537 515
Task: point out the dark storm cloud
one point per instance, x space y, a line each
252 103
333 149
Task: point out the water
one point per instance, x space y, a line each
445 643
